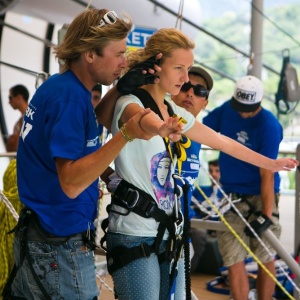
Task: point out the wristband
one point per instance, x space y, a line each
125 134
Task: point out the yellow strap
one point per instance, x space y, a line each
181 146
243 243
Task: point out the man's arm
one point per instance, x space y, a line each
76 175
12 143
267 191
263 221
105 108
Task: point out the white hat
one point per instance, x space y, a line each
248 93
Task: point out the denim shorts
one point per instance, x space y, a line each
66 271
144 278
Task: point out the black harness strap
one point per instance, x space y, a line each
187 235
135 200
121 256
149 102
252 209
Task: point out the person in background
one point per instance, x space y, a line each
243 119
139 252
211 191
96 94
193 96
59 158
18 99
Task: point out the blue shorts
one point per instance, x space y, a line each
66 271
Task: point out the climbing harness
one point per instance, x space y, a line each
136 200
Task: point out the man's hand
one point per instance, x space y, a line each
261 224
134 129
140 74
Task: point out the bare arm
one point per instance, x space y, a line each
105 108
204 135
152 123
12 143
76 176
267 191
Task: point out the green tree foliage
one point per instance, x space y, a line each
234 29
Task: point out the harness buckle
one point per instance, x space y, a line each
145 250
179 226
150 209
131 198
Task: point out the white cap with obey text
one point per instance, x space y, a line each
248 93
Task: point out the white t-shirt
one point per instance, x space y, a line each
148 166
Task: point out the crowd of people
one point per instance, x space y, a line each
60 159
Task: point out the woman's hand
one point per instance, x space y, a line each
172 129
284 164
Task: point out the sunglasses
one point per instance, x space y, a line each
109 18
199 90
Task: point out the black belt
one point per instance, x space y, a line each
34 234
235 196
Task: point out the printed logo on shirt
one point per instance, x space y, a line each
26 126
160 171
242 137
93 142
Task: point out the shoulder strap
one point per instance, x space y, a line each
148 101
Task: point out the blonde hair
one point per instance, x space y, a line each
164 41
84 35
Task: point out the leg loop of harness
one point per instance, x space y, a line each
120 256
135 200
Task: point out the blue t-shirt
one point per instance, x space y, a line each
59 122
190 169
262 133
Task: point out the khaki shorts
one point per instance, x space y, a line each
231 249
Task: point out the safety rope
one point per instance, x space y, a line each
10 207
235 234
179 17
232 204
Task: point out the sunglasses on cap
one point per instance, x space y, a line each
199 90
109 18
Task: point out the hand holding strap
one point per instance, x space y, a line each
259 225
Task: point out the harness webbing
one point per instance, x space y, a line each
149 102
136 200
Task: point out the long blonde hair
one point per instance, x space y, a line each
164 41
84 35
